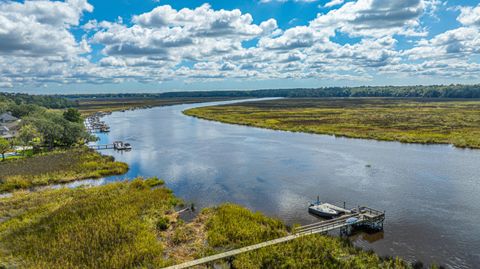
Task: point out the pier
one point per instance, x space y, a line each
93 124
117 145
365 217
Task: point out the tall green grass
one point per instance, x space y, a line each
231 226
133 225
112 226
405 120
57 167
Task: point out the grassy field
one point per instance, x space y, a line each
134 225
92 105
405 120
57 167
113 226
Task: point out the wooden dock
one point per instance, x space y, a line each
366 217
100 147
117 145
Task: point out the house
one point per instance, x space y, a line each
7 118
9 125
5 133
4 130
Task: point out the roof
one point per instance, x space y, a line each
4 128
7 117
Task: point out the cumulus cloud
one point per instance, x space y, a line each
334 3
470 16
178 34
37 45
41 27
374 18
304 1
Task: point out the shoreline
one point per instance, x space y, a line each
93 186
258 114
170 240
332 135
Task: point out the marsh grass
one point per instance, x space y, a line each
89 106
406 120
116 226
57 167
111 226
231 226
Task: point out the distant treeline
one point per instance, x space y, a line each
48 101
439 91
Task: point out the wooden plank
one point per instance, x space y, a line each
232 252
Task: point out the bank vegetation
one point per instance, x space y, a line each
429 121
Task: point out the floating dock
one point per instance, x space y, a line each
364 217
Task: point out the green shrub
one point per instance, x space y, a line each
162 224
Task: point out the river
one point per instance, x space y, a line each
431 193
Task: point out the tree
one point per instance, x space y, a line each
72 115
27 134
55 130
4 147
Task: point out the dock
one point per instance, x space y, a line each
365 217
338 209
93 124
117 145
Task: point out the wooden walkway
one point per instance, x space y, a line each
100 147
365 216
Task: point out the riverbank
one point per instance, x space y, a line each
90 105
428 121
60 166
134 224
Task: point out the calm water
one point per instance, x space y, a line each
431 194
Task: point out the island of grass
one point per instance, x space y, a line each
88 105
442 121
55 167
134 225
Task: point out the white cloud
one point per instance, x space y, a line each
38 46
470 16
41 27
304 1
176 35
334 3
374 18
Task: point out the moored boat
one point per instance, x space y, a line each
322 209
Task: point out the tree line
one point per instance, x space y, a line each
41 126
432 91
47 101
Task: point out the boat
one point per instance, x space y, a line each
351 220
322 209
119 145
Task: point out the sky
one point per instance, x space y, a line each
90 46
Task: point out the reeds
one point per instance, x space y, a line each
57 167
428 121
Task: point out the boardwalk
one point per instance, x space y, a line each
100 147
366 217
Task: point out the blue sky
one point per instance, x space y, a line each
84 46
